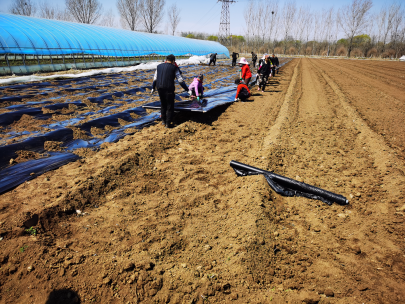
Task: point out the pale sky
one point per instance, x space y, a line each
204 16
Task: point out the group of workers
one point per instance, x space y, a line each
168 71
266 68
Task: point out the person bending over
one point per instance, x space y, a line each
245 73
196 88
242 92
213 58
164 81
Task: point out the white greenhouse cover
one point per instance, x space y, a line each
142 66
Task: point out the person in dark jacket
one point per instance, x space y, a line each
263 73
275 62
242 92
213 58
164 81
254 58
234 56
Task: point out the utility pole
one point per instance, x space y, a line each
225 23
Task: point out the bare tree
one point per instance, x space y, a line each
315 31
353 19
298 28
23 7
309 20
85 11
130 13
152 14
250 19
273 18
328 25
108 19
289 11
52 11
385 23
396 30
174 17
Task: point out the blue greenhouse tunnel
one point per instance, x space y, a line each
29 45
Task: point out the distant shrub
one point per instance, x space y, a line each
292 51
356 53
372 52
341 51
324 53
308 51
391 52
385 55
278 50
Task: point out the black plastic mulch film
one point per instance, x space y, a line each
289 187
13 175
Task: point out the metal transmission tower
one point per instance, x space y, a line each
225 23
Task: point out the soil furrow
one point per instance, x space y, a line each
160 216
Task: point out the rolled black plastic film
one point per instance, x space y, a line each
289 187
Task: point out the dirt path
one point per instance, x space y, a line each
164 219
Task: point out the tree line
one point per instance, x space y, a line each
135 15
269 26
298 30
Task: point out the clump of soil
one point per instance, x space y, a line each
123 122
73 107
96 131
109 128
67 111
47 111
53 145
79 133
28 123
84 152
24 155
135 116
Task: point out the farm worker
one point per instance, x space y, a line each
262 59
245 73
263 73
242 91
254 58
196 88
275 61
234 58
164 80
213 58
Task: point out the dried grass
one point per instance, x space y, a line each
292 51
341 51
372 52
357 53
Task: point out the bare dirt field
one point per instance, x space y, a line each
160 216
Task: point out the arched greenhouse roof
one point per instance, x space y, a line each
35 36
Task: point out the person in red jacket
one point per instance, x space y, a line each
242 92
245 73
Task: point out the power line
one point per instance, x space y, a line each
198 22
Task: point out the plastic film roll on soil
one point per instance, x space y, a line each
17 174
289 187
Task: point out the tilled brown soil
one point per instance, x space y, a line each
160 217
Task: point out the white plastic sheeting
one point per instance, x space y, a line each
142 66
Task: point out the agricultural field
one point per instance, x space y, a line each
159 216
